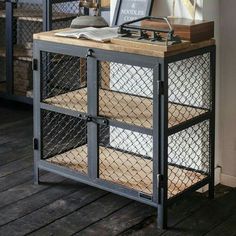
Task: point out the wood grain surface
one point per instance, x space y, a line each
112 46
118 106
128 170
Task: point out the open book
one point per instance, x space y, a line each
96 34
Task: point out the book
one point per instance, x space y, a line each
91 33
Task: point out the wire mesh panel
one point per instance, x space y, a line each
126 93
189 88
126 96
28 19
189 97
64 85
63 13
64 81
125 158
64 141
189 157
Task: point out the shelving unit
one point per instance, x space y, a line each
2 45
137 122
22 19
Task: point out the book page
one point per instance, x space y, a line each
96 34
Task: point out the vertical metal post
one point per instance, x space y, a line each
163 148
37 111
9 47
86 11
212 122
47 15
155 131
47 26
93 149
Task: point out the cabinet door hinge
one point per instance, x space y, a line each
160 87
36 144
35 64
145 196
160 182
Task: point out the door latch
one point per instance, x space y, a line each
89 53
36 144
95 119
160 87
35 65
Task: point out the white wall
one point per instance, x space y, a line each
228 87
164 8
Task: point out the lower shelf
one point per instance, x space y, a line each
127 170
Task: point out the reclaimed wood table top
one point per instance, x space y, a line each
118 45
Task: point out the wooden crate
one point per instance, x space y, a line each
191 30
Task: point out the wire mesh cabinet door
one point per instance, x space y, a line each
126 98
96 119
61 112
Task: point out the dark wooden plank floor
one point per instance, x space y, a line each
60 206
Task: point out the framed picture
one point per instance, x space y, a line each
128 10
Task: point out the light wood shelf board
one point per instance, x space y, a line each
127 170
124 108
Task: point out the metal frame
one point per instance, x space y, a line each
160 131
9 27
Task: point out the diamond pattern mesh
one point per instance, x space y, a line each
64 140
63 13
189 88
188 152
189 94
126 158
28 20
126 93
126 99
64 81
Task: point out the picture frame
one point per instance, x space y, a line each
127 10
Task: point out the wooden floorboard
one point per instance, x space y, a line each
208 217
27 189
52 212
87 215
226 228
15 154
35 202
15 166
16 178
119 221
59 206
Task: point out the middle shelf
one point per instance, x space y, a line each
37 15
19 53
122 107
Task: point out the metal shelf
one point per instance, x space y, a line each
36 15
22 19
